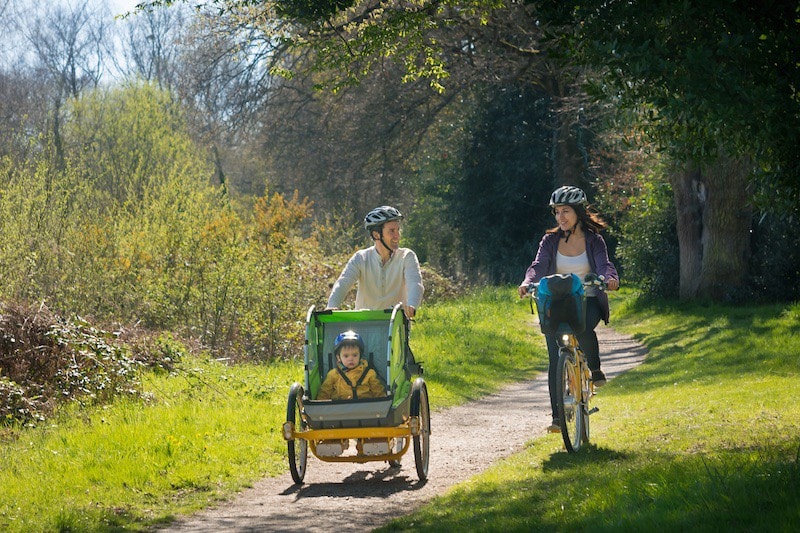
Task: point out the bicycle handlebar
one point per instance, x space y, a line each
590 280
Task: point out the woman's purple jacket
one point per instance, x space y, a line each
544 264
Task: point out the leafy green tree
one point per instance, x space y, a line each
498 197
368 140
714 85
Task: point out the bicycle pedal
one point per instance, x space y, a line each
593 410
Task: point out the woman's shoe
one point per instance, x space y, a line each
598 378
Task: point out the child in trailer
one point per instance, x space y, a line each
352 378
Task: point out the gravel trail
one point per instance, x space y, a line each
465 440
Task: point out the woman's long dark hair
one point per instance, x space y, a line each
589 219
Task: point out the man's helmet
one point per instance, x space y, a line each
381 215
568 195
345 336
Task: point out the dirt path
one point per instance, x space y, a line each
465 440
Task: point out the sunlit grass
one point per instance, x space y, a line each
212 429
701 437
474 346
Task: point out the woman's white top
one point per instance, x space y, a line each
577 264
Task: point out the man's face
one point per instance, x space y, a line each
349 356
391 234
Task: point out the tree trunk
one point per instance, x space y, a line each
689 193
567 155
727 220
713 223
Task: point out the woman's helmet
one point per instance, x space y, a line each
381 215
568 195
348 336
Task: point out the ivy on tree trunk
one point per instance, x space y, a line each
714 222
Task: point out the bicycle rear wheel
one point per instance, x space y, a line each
571 412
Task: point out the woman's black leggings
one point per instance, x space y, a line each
588 342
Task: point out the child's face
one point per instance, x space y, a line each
349 356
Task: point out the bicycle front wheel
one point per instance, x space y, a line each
570 409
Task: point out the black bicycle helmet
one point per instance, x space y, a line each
568 195
348 336
381 215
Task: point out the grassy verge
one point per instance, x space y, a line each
702 437
211 429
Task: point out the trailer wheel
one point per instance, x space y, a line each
422 442
297 448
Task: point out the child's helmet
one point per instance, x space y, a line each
568 195
381 215
348 336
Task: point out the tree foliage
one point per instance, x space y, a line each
496 198
132 230
712 85
702 75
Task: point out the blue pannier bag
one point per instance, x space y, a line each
560 302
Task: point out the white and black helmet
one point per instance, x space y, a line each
381 215
568 195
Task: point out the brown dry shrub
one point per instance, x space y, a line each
439 287
46 360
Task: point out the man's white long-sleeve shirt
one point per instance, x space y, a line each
380 286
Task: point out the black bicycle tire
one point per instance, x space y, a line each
570 415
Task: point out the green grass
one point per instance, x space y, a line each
211 429
472 347
701 437
208 431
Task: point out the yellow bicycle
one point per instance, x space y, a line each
562 309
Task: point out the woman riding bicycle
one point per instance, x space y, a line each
574 246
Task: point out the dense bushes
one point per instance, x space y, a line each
648 251
46 360
126 228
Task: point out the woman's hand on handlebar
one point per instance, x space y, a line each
523 290
600 281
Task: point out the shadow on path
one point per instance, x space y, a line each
465 440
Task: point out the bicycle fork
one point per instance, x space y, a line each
585 380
